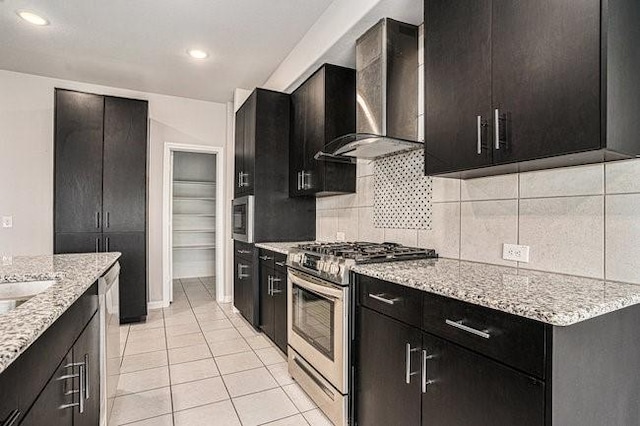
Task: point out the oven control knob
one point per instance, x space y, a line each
320 265
327 267
334 269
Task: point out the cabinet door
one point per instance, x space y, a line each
457 84
314 133
133 272
78 161
297 139
244 288
383 396
280 309
55 406
87 350
78 242
238 287
125 165
546 76
469 389
239 153
267 303
250 141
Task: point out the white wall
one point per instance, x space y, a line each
26 158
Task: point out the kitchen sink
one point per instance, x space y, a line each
13 295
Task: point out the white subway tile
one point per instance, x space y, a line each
485 226
623 177
348 223
445 189
444 235
568 181
565 235
407 237
503 187
623 237
326 225
364 188
366 229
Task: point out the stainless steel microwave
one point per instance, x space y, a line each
243 218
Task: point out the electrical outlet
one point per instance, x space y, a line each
7 221
515 252
340 236
7 260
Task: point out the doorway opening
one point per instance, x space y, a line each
193 219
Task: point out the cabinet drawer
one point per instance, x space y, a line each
280 262
266 259
515 341
396 301
243 250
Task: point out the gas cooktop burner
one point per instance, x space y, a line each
363 252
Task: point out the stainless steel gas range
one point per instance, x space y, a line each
319 320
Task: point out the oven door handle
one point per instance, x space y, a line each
315 286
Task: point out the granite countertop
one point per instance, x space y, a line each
73 275
556 299
282 248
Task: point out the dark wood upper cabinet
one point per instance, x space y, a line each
125 165
239 153
323 108
555 83
78 161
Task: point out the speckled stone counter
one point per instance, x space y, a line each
282 248
555 299
73 275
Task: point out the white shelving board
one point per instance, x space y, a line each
194 215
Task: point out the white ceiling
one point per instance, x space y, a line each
141 44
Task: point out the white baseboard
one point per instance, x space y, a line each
158 304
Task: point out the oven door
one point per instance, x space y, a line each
317 325
242 218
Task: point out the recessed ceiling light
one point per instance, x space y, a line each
197 54
32 18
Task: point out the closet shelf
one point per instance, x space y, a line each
195 230
194 198
195 246
194 182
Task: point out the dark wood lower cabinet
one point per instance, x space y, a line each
133 274
245 284
383 395
470 389
54 406
273 305
86 352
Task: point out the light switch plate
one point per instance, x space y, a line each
515 252
340 236
7 221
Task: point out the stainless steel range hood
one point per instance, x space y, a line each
387 95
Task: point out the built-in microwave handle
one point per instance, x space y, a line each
314 285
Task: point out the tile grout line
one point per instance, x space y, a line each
166 343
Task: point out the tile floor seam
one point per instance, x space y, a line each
166 343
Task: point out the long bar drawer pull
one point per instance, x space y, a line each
458 324
280 264
407 363
380 297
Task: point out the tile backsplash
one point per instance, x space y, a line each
578 220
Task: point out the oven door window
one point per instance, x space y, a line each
313 319
240 219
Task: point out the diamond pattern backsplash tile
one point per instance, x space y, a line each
402 193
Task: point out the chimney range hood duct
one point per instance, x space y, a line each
386 95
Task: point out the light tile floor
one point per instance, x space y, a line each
199 363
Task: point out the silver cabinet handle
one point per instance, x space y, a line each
265 257
97 220
299 181
275 280
86 376
106 244
280 264
380 297
496 118
270 283
13 418
479 147
245 182
108 220
239 179
408 373
82 377
425 381
244 251
458 324
97 245
240 268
